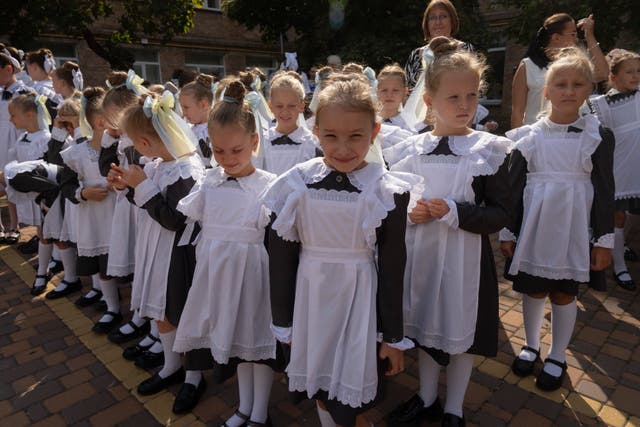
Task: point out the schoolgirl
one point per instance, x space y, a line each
451 300
392 90
562 175
196 99
67 81
330 216
40 65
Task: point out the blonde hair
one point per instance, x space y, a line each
570 58
93 106
69 107
200 88
117 96
349 91
233 109
617 56
393 70
135 122
25 102
353 67
65 72
450 57
286 81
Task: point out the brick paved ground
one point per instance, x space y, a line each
55 371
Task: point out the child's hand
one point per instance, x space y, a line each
438 208
491 125
112 179
395 357
132 176
420 213
95 193
507 249
600 258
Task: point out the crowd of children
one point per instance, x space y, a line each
261 233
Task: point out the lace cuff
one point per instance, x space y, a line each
604 241
506 235
59 134
451 218
281 334
144 192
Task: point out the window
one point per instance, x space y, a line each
211 5
205 62
266 63
63 52
495 76
146 65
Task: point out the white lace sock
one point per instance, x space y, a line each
533 314
262 382
563 320
429 374
458 376
136 320
171 358
617 255
69 258
193 377
325 417
44 254
245 391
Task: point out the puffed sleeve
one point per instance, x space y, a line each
602 209
192 205
392 258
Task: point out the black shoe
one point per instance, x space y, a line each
524 368
11 237
30 247
629 285
156 384
85 301
37 290
106 327
450 420
118 337
71 288
630 254
411 412
133 352
548 382
257 424
188 397
149 360
56 268
100 306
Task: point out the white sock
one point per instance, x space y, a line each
429 374
69 258
92 292
171 358
110 294
95 281
245 391
533 314
55 256
44 255
617 255
136 320
157 347
61 287
193 377
458 376
147 341
325 417
563 320
262 382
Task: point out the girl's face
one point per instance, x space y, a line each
567 90
59 85
6 75
439 22
345 137
36 72
455 101
233 147
21 119
286 105
391 92
628 76
194 111
567 38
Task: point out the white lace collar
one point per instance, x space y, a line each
297 135
315 170
589 124
40 134
254 183
461 145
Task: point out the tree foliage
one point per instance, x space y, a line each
23 21
613 18
375 32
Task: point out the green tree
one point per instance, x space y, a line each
613 18
23 21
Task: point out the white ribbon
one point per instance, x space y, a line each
291 61
78 79
44 118
14 62
49 63
174 132
134 83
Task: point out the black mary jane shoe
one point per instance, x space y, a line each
30 247
106 327
524 368
630 255
85 301
118 337
257 424
133 352
188 397
156 383
71 288
450 420
628 285
240 415
11 237
56 268
413 411
101 305
38 290
548 382
149 360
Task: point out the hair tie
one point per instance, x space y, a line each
44 118
14 62
174 132
85 128
134 83
49 63
78 79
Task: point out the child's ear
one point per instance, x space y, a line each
376 129
255 140
427 99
